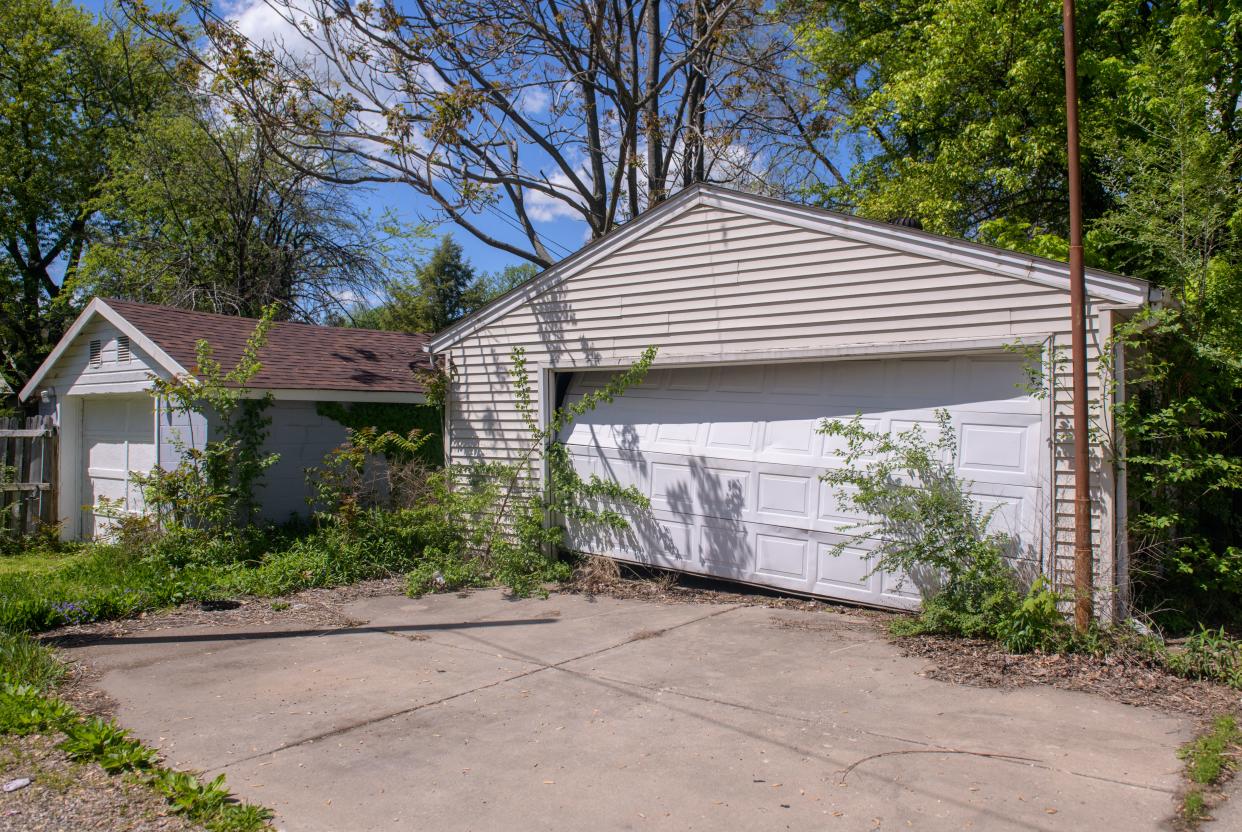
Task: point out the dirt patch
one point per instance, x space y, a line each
310 608
65 795
661 586
1128 677
836 625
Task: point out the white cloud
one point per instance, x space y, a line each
261 23
534 101
544 207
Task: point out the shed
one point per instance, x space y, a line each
770 317
97 382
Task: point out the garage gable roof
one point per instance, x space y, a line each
1102 285
296 357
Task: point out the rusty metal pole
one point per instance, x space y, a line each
1083 555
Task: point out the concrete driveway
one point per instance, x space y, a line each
484 713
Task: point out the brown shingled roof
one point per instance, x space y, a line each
296 356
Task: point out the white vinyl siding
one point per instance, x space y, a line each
117 371
715 286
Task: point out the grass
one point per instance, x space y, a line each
26 662
28 705
1211 758
39 562
41 590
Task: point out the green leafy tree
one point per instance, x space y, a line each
212 488
1179 222
69 88
416 305
441 291
954 111
204 211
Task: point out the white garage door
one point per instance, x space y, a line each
730 458
118 437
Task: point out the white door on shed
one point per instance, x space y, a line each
730 458
118 438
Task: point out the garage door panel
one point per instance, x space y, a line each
791 438
782 557
835 511
834 448
784 498
844 568
726 549
740 379
732 461
795 379
673 540
732 435
898 590
924 379
118 440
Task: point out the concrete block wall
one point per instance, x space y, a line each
301 437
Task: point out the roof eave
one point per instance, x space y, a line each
98 306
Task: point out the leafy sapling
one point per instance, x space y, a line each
212 487
921 523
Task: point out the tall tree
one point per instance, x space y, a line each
954 111
441 291
69 86
955 117
528 109
202 211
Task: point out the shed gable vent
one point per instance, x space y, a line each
122 349
96 353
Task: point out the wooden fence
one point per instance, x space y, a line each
27 474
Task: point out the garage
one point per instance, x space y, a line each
118 441
730 458
98 386
769 317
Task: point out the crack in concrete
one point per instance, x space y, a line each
810 720
645 634
336 732
541 666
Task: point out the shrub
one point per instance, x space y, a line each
368 470
924 524
212 487
1036 624
440 571
208 803
1210 655
106 743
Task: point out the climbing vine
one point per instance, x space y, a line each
391 417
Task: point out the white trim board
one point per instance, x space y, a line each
842 352
98 306
1102 285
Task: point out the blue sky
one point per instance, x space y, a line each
563 235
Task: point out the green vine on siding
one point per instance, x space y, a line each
392 417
